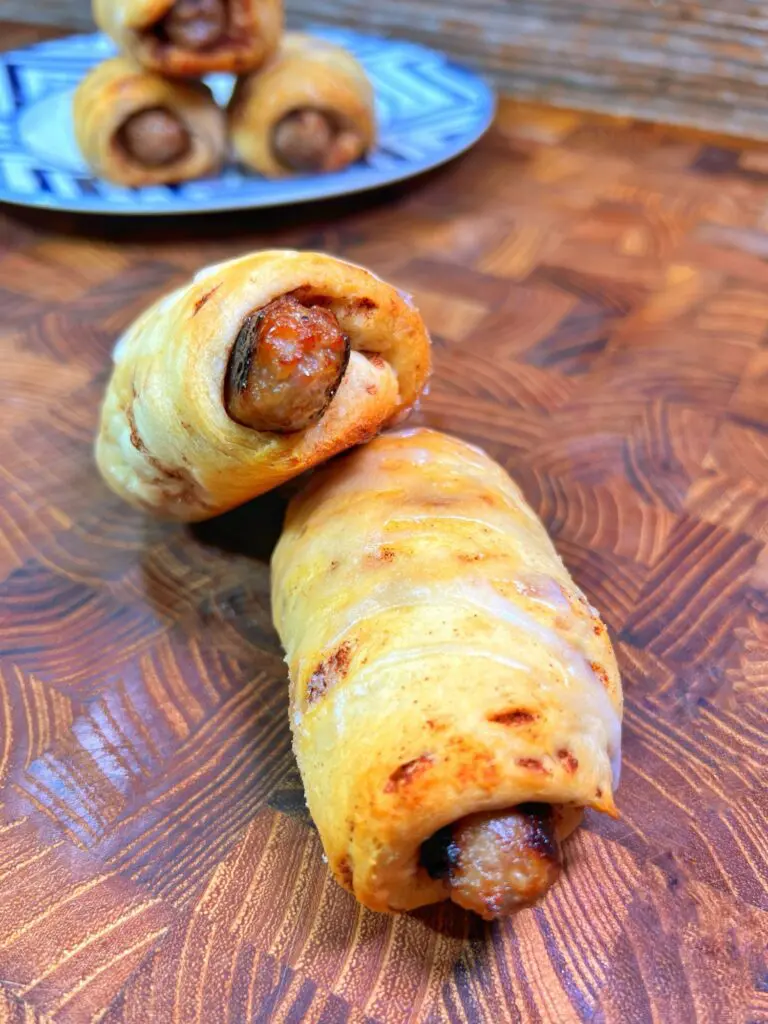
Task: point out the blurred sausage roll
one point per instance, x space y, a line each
253 372
310 109
454 699
188 38
136 128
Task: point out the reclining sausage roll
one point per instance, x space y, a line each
135 128
309 110
253 372
189 38
454 699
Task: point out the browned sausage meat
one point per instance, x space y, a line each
496 861
312 140
194 24
285 367
154 137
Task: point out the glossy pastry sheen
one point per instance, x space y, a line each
135 128
310 109
455 701
254 371
188 38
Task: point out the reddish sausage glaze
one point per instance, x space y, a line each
285 367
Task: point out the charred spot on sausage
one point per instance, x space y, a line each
539 829
285 367
439 854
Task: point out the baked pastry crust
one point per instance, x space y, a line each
254 33
166 442
306 72
119 88
442 661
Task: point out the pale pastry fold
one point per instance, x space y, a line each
167 440
444 668
310 109
189 38
115 94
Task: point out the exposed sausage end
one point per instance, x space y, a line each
154 137
310 140
285 367
497 861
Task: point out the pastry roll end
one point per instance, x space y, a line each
189 38
311 109
255 371
135 128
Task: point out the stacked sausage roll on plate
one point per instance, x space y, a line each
455 701
190 38
301 105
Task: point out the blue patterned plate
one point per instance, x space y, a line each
429 110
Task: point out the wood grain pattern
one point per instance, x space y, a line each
597 295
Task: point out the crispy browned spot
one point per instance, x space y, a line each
307 296
598 792
407 772
329 672
136 438
344 871
204 298
177 484
570 763
515 716
600 672
462 557
532 764
383 554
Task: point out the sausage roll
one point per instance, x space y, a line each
136 128
454 699
310 109
254 371
189 38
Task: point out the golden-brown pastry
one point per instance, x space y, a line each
135 128
310 109
189 38
253 372
454 699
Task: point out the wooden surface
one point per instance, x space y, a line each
703 64
598 294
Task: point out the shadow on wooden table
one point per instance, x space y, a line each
216 224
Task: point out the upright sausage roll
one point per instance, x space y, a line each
254 371
136 128
189 38
454 699
310 109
